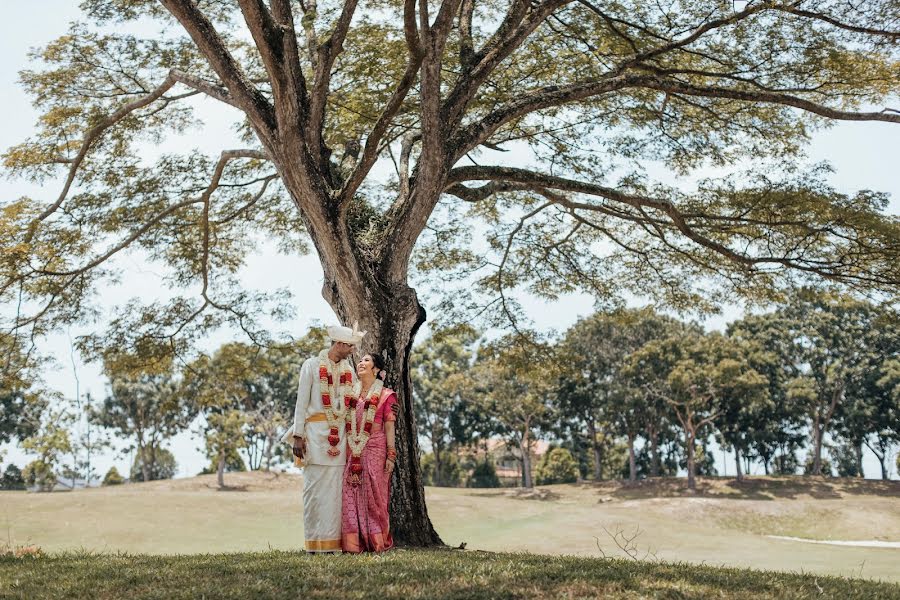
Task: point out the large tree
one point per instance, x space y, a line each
593 392
442 389
777 430
143 404
590 91
837 348
698 376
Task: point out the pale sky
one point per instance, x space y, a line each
864 154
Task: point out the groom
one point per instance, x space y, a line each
318 436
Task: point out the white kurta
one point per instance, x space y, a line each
322 473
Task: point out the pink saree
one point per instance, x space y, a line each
365 525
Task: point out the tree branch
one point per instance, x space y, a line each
373 140
226 156
540 182
327 54
516 26
673 86
210 44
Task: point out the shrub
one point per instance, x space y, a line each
484 475
845 461
39 474
113 477
826 466
233 463
12 479
449 475
556 466
164 466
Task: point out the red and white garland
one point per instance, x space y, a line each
357 439
335 412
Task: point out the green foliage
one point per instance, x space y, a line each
484 475
21 398
12 478
515 381
144 403
556 466
680 105
695 374
444 473
224 439
51 442
433 575
597 398
41 475
443 390
161 463
234 463
846 460
809 467
113 477
251 391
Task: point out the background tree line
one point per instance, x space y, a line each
627 393
634 393
238 399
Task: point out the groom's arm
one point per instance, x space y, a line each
304 392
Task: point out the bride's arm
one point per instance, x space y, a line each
389 429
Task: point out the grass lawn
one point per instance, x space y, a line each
405 575
722 525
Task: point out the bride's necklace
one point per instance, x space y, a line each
357 439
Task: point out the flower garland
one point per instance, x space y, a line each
357 439
335 414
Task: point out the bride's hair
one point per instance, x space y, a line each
378 361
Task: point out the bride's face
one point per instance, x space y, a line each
365 366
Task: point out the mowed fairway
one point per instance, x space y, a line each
723 524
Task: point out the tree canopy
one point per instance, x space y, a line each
438 95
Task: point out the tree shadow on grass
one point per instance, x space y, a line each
542 494
751 488
228 488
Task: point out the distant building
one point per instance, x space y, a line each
507 458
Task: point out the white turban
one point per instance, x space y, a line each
348 335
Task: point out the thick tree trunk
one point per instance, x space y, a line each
737 463
817 449
859 465
632 460
391 318
595 447
220 471
655 460
689 442
525 448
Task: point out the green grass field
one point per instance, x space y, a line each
722 525
405 575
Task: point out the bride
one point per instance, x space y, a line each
367 477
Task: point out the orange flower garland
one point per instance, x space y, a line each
357 439
334 415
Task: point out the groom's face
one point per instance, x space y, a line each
343 349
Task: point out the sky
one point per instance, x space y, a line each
864 155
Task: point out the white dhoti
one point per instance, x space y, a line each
322 507
323 469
